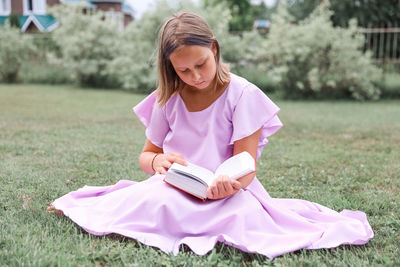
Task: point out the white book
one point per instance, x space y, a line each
195 180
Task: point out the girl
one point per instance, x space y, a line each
203 114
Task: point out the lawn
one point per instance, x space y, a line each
55 139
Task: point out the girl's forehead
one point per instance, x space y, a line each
189 53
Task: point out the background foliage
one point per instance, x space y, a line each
87 44
15 49
369 13
314 59
299 57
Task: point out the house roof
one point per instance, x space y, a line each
44 23
126 8
47 23
261 23
3 19
87 2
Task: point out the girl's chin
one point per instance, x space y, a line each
201 86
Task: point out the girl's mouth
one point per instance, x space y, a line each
200 83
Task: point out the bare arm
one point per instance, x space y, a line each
152 159
223 186
249 144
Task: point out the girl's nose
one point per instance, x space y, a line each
196 76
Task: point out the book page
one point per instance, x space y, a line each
194 170
237 166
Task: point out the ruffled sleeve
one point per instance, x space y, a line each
254 110
154 119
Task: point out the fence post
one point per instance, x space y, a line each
395 43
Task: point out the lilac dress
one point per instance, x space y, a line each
159 215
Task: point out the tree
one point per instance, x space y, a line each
261 11
374 13
241 12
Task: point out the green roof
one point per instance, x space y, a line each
45 20
22 20
127 8
3 19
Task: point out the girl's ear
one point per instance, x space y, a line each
214 48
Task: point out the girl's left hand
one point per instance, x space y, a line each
223 187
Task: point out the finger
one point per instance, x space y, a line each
220 186
228 185
176 157
236 185
181 161
163 171
166 164
209 193
214 191
160 170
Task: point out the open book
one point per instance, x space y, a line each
195 180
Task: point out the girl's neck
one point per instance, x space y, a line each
198 100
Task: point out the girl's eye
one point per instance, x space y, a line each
201 65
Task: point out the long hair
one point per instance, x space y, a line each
183 28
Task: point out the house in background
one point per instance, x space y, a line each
262 25
118 10
32 14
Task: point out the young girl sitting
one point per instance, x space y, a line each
202 113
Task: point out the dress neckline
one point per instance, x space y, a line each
212 104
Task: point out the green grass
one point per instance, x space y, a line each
55 139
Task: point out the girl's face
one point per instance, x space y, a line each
195 65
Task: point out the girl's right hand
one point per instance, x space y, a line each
163 161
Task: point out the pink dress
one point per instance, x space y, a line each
159 215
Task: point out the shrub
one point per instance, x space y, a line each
87 44
315 59
260 78
15 49
40 71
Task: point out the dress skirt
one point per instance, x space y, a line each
161 216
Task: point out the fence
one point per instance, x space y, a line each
384 43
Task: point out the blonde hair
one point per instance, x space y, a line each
183 28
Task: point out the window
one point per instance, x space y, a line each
30 5
39 6
35 6
5 7
116 17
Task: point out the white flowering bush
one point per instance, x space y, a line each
88 42
309 59
97 53
15 49
315 59
135 64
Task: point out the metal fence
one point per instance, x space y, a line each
384 43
